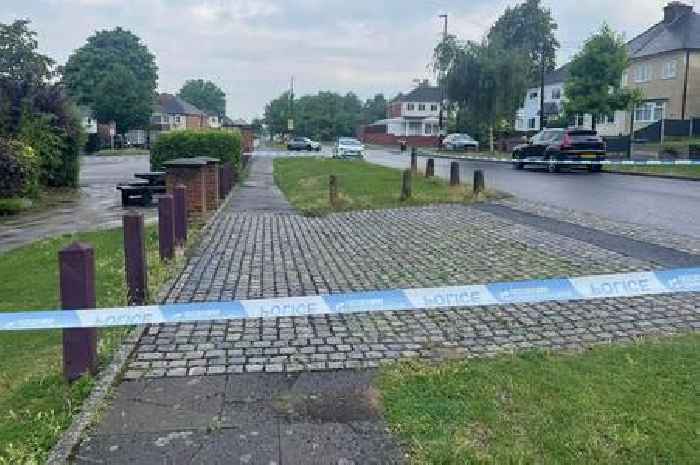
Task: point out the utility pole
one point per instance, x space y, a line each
290 121
443 76
542 68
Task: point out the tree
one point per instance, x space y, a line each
19 59
276 114
374 109
204 95
529 28
107 55
594 82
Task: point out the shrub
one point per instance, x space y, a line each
18 170
224 145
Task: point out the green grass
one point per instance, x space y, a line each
36 405
634 404
128 151
692 171
362 186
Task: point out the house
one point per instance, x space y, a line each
247 132
413 117
171 112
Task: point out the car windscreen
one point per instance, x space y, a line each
349 142
583 135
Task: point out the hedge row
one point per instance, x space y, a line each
19 174
190 143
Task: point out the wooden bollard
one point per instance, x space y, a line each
333 189
166 227
180 206
430 168
135 259
479 183
406 185
414 160
77 285
454 173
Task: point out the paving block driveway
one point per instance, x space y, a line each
299 390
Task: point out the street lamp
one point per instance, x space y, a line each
443 73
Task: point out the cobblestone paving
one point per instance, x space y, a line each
249 255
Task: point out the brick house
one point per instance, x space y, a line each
171 112
413 117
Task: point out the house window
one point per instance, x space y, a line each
605 118
531 123
533 95
178 119
625 79
519 123
670 69
649 112
433 107
414 128
421 106
410 107
556 93
428 129
643 73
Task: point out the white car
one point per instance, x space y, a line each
460 142
349 147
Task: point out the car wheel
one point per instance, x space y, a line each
518 165
318 149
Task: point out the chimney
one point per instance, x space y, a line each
675 10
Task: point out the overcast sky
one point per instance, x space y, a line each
250 48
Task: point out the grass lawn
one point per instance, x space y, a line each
127 151
678 170
35 404
362 186
634 404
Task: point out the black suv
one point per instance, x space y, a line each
554 145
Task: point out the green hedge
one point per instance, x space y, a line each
18 170
224 145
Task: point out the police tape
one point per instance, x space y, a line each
518 292
541 161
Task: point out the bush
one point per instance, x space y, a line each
18 170
224 145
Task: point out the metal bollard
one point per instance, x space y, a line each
77 285
454 173
333 189
166 227
180 200
430 168
479 182
135 259
406 185
414 160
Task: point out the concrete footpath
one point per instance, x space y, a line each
300 390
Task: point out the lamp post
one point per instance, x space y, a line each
441 122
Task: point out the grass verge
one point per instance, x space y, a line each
630 404
689 171
128 151
36 405
362 186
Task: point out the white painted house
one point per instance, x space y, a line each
528 116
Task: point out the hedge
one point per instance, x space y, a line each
189 143
18 170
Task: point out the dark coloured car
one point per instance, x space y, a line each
303 143
553 145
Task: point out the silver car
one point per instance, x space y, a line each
348 147
460 142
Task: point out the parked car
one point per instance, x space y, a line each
348 147
303 143
561 145
459 142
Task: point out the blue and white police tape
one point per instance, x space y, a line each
569 162
566 289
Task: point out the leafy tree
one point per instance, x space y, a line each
204 95
276 114
594 83
19 59
106 55
529 28
444 55
374 109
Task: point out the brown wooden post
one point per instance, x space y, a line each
479 182
135 259
406 185
166 227
180 201
454 173
333 189
414 160
430 168
77 285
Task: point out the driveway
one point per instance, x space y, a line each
98 205
673 205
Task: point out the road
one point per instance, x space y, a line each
670 204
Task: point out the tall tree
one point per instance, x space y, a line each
529 28
119 100
374 109
19 58
594 83
204 95
106 55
